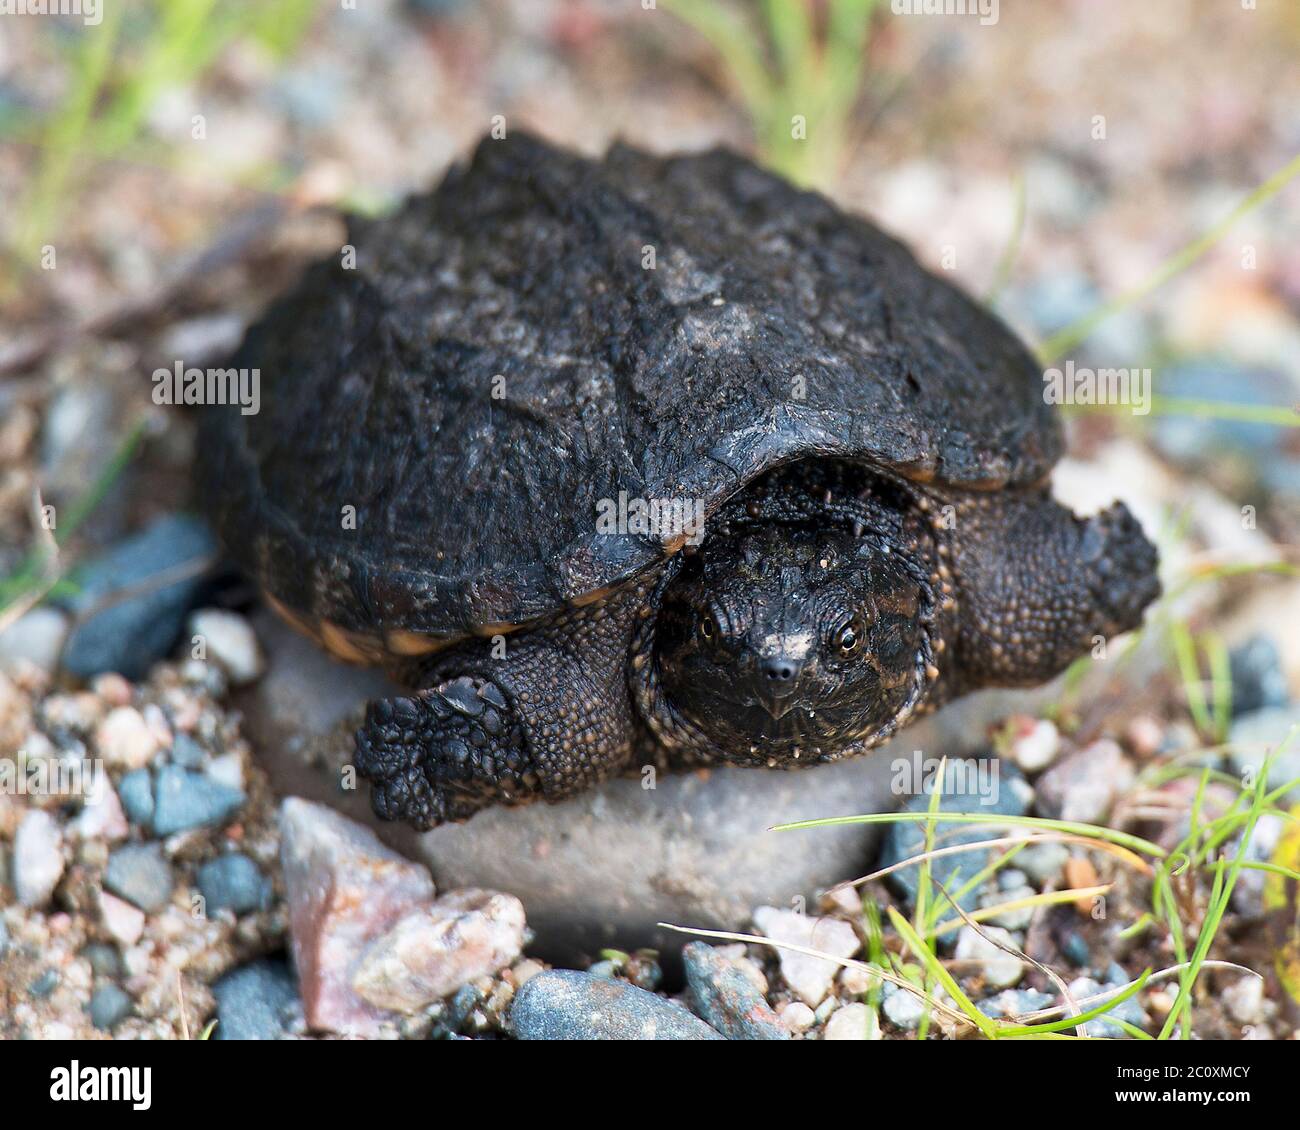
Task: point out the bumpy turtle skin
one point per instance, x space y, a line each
1028 588
548 719
440 420
1036 586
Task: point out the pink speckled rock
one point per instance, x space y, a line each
434 950
344 889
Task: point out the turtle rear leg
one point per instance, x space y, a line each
1036 585
549 718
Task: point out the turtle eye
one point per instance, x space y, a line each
708 627
849 637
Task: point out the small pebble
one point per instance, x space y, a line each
857 979
1258 678
1016 919
233 882
122 920
431 951
109 1007
1075 949
187 753
125 740
45 984
1244 1000
1043 862
726 997
37 858
796 1016
1083 786
1144 736
101 817
105 960
1035 747
36 637
1254 736
810 978
230 642
255 1002
135 790
902 1008
1015 1002
1129 1010
113 689
140 874
852 1022
999 969
1080 872
184 799
228 770
1012 879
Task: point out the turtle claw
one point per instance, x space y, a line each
443 754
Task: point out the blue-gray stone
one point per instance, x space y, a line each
727 999
1100 1027
1075 949
1258 680
140 874
187 753
457 1011
233 882
565 1005
109 1007
135 790
1186 439
434 9
255 1002
104 959
130 634
1255 736
185 799
1015 1002
904 840
45 984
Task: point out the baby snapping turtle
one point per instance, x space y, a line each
651 459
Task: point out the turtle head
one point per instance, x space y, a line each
790 642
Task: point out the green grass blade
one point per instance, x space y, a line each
1110 835
1069 338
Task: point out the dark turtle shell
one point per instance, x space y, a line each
544 332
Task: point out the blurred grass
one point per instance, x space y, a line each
117 73
786 64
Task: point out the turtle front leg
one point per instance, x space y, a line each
550 719
1035 586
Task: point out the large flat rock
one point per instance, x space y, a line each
604 868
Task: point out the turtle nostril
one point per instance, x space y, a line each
779 670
